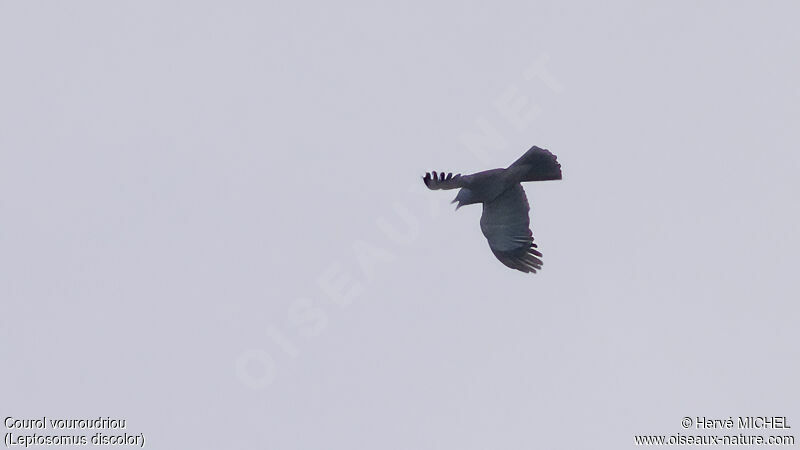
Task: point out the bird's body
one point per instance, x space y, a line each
504 221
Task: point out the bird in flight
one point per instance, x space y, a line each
504 220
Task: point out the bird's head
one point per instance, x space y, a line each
465 196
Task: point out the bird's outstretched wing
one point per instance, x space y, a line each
436 181
537 164
505 223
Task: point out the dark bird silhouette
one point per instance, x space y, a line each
504 220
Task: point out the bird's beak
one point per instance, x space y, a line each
458 205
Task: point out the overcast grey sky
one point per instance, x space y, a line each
213 223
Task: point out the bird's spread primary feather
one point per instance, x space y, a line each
504 221
442 181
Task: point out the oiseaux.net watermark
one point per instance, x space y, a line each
342 283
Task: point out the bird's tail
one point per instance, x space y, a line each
539 164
